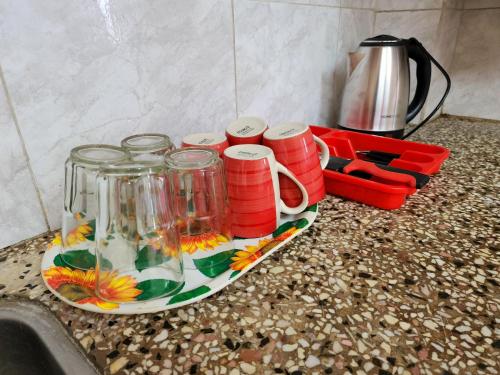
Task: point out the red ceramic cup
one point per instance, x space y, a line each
253 231
249 206
296 148
246 130
307 178
212 141
253 190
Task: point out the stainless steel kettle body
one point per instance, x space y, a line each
377 89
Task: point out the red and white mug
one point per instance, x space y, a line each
246 130
253 190
212 141
295 147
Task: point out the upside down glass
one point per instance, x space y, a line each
147 143
80 201
201 207
137 238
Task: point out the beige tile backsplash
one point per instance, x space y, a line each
79 72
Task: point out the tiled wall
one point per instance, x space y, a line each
77 72
476 63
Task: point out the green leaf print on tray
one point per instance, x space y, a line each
189 294
157 287
301 223
82 259
234 273
312 208
216 264
91 235
149 257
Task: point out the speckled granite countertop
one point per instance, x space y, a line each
362 291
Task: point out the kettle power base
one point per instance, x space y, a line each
76 287
413 156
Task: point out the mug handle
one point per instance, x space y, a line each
305 197
325 152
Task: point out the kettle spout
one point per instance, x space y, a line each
354 60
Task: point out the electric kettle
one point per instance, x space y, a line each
376 94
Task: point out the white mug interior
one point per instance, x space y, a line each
245 127
204 139
285 130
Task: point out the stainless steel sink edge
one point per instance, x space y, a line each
52 333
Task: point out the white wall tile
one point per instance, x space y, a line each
475 69
422 25
89 72
445 42
358 4
355 26
407 4
21 214
285 56
332 3
455 4
481 4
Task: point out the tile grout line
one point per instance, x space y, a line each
234 61
435 41
309 5
407 10
437 36
375 9
453 55
492 8
23 146
336 57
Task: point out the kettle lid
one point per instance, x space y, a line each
383 40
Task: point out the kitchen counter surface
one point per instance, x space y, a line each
362 290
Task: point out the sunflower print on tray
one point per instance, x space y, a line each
78 286
156 241
83 229
243 258
204 242
75 236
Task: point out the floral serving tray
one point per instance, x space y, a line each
76 287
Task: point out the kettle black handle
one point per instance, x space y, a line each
418 54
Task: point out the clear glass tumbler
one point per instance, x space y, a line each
80 201
138 244
147 143
201 207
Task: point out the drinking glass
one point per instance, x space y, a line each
196 177
137 238
80 201
147 143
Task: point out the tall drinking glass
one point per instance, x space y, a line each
80 201
147 143
137 237
196 177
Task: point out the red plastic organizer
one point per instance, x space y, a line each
414 156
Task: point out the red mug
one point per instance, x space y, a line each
212 141
295 147
246 130
253 190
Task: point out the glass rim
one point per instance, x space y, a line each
76 155
212 157
162 143
134 168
